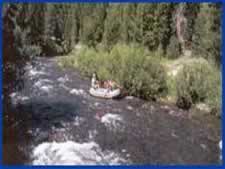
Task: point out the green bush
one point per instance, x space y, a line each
30 50
173 50
51 48
150 80
86 60
197 82
215 93
23 43
130 66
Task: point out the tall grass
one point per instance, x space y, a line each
199 82
132 67
142 74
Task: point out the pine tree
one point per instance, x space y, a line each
150 26
93 27
191 11
207 33
57 27
164 18
112 27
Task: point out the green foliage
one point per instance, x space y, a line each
164 30
58 25
35 20
52 48
207 33
93 27
190 12
23 44
113 25
31 51
88 61
56 28
215 93
197 82
171 83
152 25
138 71
173 49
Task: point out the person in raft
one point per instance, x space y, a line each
108 84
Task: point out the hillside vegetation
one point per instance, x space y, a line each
154 50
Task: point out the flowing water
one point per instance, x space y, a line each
52 120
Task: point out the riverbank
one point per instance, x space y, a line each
187 81
59 116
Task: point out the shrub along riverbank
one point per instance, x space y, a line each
144 74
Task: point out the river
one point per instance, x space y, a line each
52 120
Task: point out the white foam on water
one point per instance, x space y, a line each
92 134
221 147
64 86
73 153
46 88
23 98
16 97
63 79
28 67
108 118
221 144
42 82
97 104
129 107
112 121
129 97
77 91
77 121
33 72
44 85
13 95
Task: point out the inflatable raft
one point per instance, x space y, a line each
104 93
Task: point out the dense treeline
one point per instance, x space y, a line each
170 28
131 44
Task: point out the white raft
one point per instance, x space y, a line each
104 93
